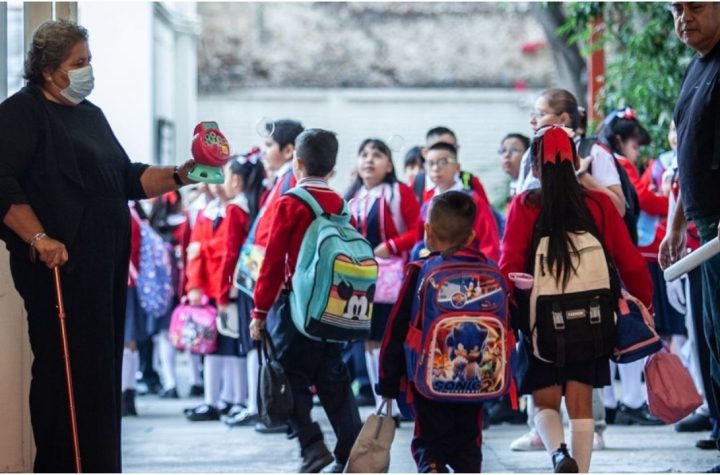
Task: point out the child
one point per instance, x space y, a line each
563 206
512 149
445 433
307 362
386 213
219 232
443 168
414 163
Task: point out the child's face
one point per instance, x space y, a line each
411 171
442 167
543 114
233 184
630 149
511 153
672 136
274 156
373 166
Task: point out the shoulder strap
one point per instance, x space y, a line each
419 185
305 196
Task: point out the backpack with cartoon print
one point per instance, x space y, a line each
335 277
459 342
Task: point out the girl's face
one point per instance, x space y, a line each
630 149
442 167
233 184
373 166
543 114
411 171
672 136
511 153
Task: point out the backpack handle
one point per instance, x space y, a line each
307 197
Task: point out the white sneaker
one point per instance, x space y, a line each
526 442
598 441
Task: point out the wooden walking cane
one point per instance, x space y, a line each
68 374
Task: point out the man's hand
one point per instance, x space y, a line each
256 326
51 252
672 248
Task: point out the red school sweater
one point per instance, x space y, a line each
284 182
213 268
630 264
291 218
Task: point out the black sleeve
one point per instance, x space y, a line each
392 354
19 138
133 185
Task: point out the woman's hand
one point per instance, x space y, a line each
195 297
184 169
52 253
382 251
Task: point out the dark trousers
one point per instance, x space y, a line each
447 435
313 363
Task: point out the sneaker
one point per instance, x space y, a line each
196 390
203 412
562 462
315 457
640 416
598 441
694 423
526 442
169 394
242 418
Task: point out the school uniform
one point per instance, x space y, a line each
522 216
445 433
307 362
487 238
284 180
135 317
386 214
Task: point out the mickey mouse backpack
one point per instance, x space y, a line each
335 277
459 342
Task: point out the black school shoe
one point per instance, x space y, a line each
169 394
128 403
276 429
203 412
315 457
242 418
694 423
706 444
502 411
196 390
335 467
562 462
640 416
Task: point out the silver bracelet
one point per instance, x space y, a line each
36 238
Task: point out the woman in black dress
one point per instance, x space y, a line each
64 185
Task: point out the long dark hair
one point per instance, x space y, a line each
620 126
252 171
390 177
562 207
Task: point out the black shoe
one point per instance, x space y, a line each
148 387
715 469
204 412
196 390
503 412
610 413
640 416
562 462
128 403
234 410
315 457
694 423
276 429
242 418
706 444
364 400
169 394
335 467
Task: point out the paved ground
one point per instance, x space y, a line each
161 440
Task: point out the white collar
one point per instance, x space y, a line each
313 181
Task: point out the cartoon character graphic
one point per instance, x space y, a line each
357 306
466 343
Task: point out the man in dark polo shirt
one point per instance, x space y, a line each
697 116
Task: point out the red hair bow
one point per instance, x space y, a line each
557 145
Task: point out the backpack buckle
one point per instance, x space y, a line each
595 315
557 316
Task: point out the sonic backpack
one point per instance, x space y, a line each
459 342
333 286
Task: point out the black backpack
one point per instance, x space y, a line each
276 401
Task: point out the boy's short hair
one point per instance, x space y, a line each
452 217
318 150
444 146
285 132
438 131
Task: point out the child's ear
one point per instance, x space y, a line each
470 238
287 151
429 236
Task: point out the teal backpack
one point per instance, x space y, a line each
335 277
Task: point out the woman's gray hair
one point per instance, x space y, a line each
51 45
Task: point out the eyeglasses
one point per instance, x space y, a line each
440 164
509 151
537 114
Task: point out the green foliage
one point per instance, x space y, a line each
645 61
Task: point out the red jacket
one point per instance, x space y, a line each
213 268
630 264
284 182
134 247
290 220
398 197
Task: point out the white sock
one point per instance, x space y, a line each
609 399
530 409
235 368
227 385
130 364
213 379
252 381
581 442
598 408
549 426
633 395
167 354
196 364
156 363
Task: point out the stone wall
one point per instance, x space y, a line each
353 44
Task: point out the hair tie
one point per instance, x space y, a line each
557 146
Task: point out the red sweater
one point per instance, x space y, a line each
134 247
291 219
630 264
213 268
266 217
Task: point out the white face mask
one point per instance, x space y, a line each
81 84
